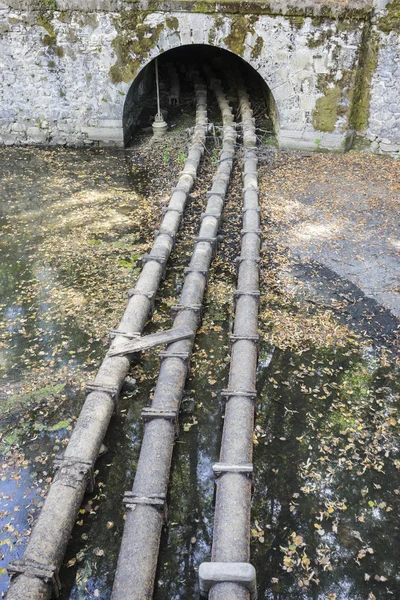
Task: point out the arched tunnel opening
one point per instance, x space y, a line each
177 101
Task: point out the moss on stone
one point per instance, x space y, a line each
45 22
257 48
213 33
133 44
241 25
44 5
360 101
391 21
326 110
172 23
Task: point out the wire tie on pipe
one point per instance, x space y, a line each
256 231
36 570
180 189
226 395
149 295
211 214
240 259
130 335
203 272
250 188
161 260
183 356
211 573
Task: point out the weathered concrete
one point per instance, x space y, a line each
67 69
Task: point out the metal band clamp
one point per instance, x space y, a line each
36 570
161 260
227 394
221 468
71 471
211 573
178 308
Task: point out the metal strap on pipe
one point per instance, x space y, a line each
161 260
110 390
220 468
178 308
249 337
235 572
170 234
34 569
130 500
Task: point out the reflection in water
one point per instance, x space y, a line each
327 496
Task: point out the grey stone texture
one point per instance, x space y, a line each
56 84
384 117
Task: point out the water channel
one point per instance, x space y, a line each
325 520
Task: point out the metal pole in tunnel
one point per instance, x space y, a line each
159 125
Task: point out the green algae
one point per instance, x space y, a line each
326 110
213 33
241 25
133 44
359 114
172 23
391 21
16 401
257 48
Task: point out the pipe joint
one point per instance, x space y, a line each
36 570
211 573
110 390
161 260
71 472
149 295
131 500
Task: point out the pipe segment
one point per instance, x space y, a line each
231 538
137 562
36 575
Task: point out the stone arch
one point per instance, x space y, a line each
307 74
143 84
140 41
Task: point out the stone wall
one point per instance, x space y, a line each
66 70
384 119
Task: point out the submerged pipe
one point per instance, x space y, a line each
231 537
137 562
35 577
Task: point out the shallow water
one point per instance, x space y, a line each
326 503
